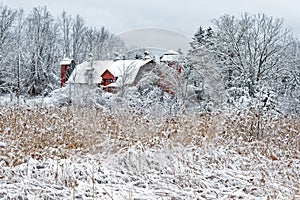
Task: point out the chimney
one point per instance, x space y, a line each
117 56
147 55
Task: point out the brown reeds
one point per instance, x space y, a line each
58 132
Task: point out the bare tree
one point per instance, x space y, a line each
19 55
42 55
288 80
32 45
105 44
7 19
250 48
78 32
65 24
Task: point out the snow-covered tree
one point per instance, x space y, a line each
250 57
65 24
103 44
78 43
32 46
19 53
7 20
204 75
41 51
78 40
288 86
251 50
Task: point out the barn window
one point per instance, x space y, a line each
108 80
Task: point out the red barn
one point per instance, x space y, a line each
107 78
66 68
89 72
115 74
125 72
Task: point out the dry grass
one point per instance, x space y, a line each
242 142
59 132
267 131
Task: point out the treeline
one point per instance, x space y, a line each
33 44
250 61
246 61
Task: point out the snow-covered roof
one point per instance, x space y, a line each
170 56
89 72
171 52
66 61
127 69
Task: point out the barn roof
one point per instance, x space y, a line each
88 72
127 69
170 56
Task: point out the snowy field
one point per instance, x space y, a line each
80 153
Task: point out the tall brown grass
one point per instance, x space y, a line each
42 132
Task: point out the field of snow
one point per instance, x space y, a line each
82 153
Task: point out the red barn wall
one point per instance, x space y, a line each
63 75
107 78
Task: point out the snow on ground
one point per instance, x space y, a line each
213 172
77 153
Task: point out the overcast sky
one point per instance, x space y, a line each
180 16
184 16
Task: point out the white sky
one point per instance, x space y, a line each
130 18
183 16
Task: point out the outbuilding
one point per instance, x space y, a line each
67 66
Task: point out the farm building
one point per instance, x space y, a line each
113 74
110 74
125 72
89 72
67 67
171 58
